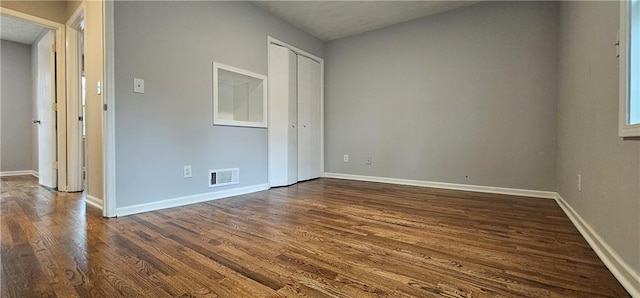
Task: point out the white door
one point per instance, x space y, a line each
46 114
74 110
308 82
282 125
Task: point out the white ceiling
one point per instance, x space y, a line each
329 20
18 30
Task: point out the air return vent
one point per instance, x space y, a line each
223 177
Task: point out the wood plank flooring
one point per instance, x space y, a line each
315 239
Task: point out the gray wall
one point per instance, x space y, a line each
171 45
470 92
588 142
16 107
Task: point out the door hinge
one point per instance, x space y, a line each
54 106
53 48
55 164
617 44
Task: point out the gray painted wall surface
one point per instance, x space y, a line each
470 92
16 107
171 45
588 142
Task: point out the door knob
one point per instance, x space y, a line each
36 121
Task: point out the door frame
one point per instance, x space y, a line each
108 118
74 88
61 91
272 40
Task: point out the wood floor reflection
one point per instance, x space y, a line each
315 239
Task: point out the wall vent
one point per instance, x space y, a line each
223 177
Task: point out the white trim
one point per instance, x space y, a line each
624 128
108 124
93 201
31 18
19 173
272 40
453 186
77 17
629 279
192 199
61 103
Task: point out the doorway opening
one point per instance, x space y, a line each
30 98
48 97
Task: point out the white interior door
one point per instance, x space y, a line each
283 145
74 110
46 113
308 81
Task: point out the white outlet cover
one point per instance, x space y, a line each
138 85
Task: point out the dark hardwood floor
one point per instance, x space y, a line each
314 239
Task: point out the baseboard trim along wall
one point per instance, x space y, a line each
19 173
629 279
187 200
93 201
453 186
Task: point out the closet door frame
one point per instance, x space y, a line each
271 40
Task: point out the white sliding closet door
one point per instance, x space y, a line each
283 133
308 80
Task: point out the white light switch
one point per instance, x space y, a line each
138 85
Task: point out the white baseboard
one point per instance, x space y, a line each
187 200
93 201
453 186
19 173
629 279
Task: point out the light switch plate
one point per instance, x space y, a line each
138 85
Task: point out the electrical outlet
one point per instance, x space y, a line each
187 171
579 182
138 85
368 160
345 158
